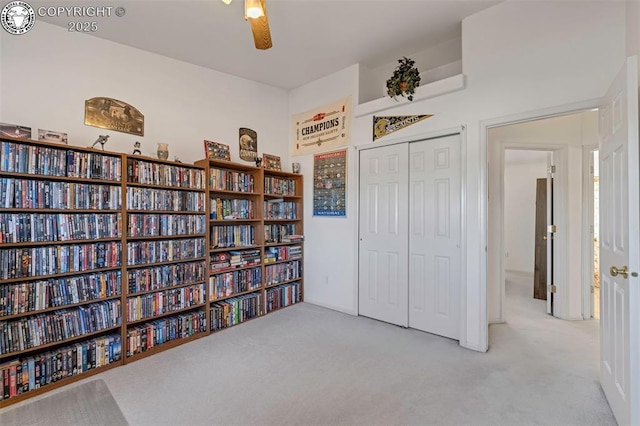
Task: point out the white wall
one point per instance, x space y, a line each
434 63
520 177
517 57
330 243
48 73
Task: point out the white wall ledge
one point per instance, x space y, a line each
431 90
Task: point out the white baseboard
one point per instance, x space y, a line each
332 307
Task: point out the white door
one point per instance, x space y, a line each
434 236
619 252
383 287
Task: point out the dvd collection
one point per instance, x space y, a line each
61 268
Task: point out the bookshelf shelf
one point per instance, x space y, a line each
55 211
32 176
231 221
61 382
48 243
168 262
165 237
168 187
180 212
165 314
240 323
223 249
56 308
141 293
220 299
276 196
213 272
163 347
39 348
283 282
277 262
61 275
283 244
235 193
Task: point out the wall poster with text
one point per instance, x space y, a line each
322 129
330 184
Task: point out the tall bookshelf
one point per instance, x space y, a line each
61 235
255 241
235 243
166 249
283 239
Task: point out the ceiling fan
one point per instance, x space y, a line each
256 13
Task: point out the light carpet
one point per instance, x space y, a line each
89 403
306 365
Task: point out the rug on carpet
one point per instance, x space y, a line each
90 403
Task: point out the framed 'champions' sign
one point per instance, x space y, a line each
322 129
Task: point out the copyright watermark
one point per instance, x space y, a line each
18 17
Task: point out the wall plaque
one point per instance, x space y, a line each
112 114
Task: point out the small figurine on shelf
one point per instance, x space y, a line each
102 139
136 148
176 159
258 161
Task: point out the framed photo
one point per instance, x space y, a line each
51 136
330 184
271 162
15 131
217 151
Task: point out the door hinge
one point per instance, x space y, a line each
551 288
551 169
552 229
593 290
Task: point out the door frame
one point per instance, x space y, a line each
588 212
560 212
462 131
485 125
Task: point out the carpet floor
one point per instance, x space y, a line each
307 365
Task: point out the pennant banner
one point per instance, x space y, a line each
382 126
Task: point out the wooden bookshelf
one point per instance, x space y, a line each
64 295
126 270
234 208
276 203
166 269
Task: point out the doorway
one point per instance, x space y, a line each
526 204
567 136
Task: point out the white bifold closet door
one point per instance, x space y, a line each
409 257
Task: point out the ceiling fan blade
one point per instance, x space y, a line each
260 29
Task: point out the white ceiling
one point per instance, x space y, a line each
311 38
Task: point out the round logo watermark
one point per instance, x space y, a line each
17 17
